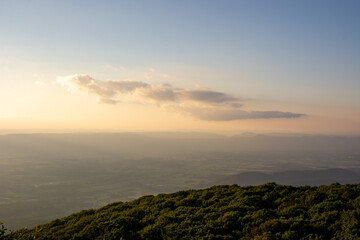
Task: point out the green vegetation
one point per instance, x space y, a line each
268 211
2 230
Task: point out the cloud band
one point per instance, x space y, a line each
203 104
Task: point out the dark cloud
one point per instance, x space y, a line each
126 86
214 114
203 104
274 114
208 96
161 94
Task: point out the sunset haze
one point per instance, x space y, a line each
225 67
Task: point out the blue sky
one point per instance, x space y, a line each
276 50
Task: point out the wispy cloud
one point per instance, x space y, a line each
211 114
203 104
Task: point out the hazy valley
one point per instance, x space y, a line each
47 176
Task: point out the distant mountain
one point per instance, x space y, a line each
150 144
221 212
181 135
245 134
295 178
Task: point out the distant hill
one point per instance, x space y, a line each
295 178
268 211
181 135
154 144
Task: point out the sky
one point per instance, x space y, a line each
220 66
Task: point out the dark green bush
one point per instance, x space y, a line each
268 211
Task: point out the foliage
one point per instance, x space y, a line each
2 230
268 211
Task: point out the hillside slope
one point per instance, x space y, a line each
268 211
